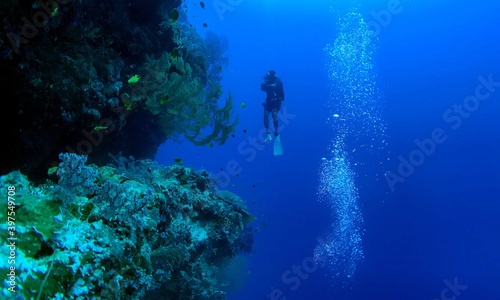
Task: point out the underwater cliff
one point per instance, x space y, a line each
112 77
127 231
92 89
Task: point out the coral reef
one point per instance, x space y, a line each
104 82
132 230
184 103
68 65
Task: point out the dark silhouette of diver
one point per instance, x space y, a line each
273 87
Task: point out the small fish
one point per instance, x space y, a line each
164 99
134 79
233 135
99 128
205 25
52 170
174 15
220 68
127 101
124 179
244 131
202 4
175 53
264 224
178 160
243 105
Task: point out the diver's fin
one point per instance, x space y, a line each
268 138
278 148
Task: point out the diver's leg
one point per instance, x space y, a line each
275 122
266 125
266 120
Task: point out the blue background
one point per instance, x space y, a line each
441 223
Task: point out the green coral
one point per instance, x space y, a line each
166 76
183 88
184 104
220 124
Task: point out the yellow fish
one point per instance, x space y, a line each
175 53
127 101
164 99
52 170
134 79
174 15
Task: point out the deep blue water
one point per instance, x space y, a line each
440 224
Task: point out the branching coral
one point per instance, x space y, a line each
184 104
220 124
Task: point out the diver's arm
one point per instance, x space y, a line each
281 92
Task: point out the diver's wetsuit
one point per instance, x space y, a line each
273 87
275 95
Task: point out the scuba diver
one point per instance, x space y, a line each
273 87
